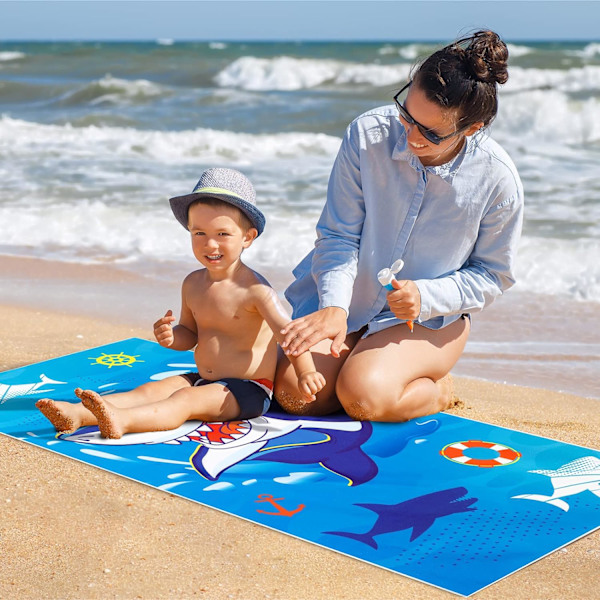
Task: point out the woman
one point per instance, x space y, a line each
417 181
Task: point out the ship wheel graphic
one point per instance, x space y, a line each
115 360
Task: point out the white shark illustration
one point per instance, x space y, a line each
26 389
572 478
221 445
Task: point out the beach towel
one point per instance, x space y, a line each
449 501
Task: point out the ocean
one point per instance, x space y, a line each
95 137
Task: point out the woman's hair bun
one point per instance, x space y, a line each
486 56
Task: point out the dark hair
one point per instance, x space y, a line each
243 221
464 76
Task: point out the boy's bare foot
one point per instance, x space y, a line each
103 411
57 414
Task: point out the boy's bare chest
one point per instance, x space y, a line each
217 311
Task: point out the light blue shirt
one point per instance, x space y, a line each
455 226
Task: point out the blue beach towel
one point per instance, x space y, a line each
449 501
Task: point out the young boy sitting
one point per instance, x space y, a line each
229 313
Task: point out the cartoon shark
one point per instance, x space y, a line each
223 445
418 513
336 453
218 451
8 392
572 478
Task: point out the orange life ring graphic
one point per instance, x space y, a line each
456 452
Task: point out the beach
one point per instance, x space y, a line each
68 530
94 139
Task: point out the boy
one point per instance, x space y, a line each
228 312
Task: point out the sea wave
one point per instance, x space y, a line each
8 56
559 267
547 119
409 52
24 138
515 50
112 90
100 232
590 51
287 73
581 79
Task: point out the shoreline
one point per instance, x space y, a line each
518 340
74 531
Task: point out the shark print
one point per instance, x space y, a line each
26 389
418 514
223 445
577 476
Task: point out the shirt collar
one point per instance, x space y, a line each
447 171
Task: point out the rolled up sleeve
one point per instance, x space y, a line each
487 273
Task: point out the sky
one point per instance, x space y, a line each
293 20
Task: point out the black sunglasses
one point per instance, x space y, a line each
429 135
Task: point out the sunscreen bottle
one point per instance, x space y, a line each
385 277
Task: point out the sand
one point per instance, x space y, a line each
69 530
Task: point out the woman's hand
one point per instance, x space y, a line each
303 333
405 300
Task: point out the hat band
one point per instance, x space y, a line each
216 190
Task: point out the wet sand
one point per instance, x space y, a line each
69 530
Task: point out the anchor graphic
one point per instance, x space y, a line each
283 512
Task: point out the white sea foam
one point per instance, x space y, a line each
94 194
287 73
84 204
590 51
282 73
547 116
113 90
23 138
559 267
217 46
515 50
376 75
567 80
411 52
8 56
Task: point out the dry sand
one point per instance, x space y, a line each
69 530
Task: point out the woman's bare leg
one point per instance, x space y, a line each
213 402
394 375
286 383
70 416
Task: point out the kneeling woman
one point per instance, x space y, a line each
419 181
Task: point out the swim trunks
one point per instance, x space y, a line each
253 395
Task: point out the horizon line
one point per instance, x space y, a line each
279 41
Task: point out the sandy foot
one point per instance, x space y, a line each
448 398
104 413
56 413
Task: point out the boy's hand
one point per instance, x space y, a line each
163 329
310 383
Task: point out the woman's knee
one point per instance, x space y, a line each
367 395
